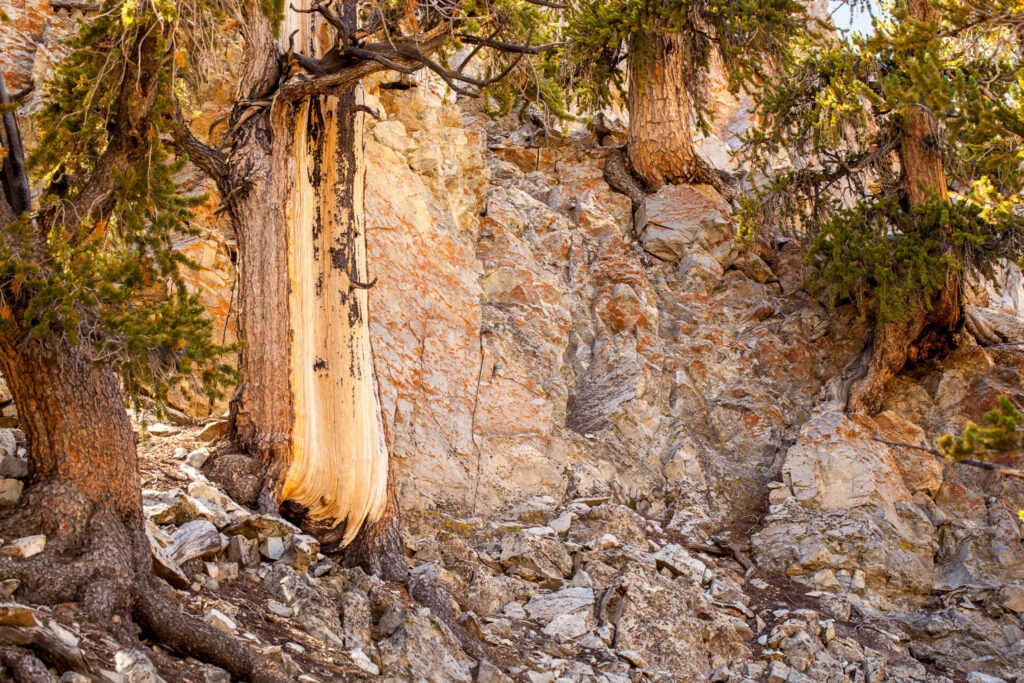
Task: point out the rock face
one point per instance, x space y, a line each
847 509
528 344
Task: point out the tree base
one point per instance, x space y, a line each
895 344
103 563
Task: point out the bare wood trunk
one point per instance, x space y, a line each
928 331
308 405
661 115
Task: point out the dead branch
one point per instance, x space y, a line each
24 92
212 162
970 462
548 3
80 5
13 177
354 284
365 109
505 46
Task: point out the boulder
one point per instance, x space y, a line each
424 649
682 216
535 558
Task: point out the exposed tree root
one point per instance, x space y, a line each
103 564
894 346
25 667
182 633
618 177
621 178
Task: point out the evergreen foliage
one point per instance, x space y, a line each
111 276
752 37
1001 435
841 114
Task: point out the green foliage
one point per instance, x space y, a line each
830 142
113 280
1001 435
753 38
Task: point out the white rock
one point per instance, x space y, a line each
566 627
161 429
549 605
681 562
198 457
220 621
272 548
135 667
360 659
26 547
280 610
562 523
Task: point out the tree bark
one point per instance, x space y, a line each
661 114
83 488
929 330
308 406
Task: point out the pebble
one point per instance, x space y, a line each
360 659
220 621
198 457
10 491
26 547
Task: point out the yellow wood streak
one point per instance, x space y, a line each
339 454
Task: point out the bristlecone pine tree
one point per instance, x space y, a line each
907 153
292 182
668 48
91 301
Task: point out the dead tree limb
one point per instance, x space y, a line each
970 462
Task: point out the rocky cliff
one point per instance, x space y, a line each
619 453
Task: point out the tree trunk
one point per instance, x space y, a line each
929 330
308 406
83 488
661 115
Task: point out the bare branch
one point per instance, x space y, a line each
363 108
970 462
81 5
13 177
509 47
548 3
210 161
24 92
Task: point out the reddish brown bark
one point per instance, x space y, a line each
83 489
661 114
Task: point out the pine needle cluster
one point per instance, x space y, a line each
111 276
838 118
